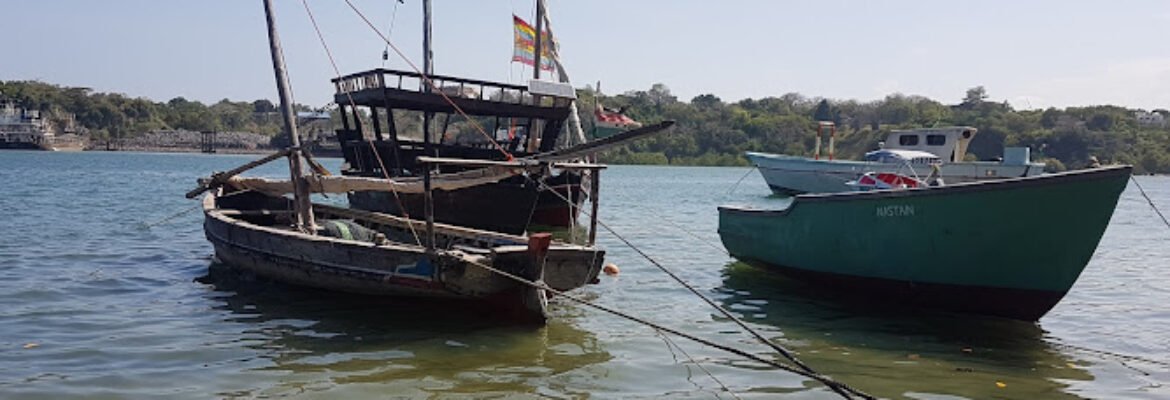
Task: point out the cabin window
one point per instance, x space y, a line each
908 140
936 140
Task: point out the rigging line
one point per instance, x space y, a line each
779 349
389 114
427 79
1148 200
390 31
670 342
840 388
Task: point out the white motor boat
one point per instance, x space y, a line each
907 152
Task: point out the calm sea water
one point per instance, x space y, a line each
95 303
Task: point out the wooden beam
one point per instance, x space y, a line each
594 192
219 178
519 163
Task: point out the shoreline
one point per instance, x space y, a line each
183 150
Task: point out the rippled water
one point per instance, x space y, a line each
94 303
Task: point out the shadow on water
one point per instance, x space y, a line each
319 340
899 352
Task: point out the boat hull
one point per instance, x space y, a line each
1010 248
503 207
552 209
250 231
20 146
788 175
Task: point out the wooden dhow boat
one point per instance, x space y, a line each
1010 248
379 137
255 228
371 253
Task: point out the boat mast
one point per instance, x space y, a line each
428 70
539 39
563 77
535 127
304 210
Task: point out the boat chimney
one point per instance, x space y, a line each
820 132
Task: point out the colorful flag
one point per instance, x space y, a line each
525 45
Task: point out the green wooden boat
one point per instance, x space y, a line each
1010 248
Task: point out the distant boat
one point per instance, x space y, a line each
22 129
1010 248
607 122
904 152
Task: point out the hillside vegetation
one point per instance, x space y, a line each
713 132
709 131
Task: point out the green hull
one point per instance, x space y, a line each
1011 248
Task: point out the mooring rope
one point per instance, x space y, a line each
671 346
1148 200
779 349
1110 354
172 216
737 182
680 228
836 387
841 388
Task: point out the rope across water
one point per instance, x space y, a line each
1148 200
784 352
801 369
841 388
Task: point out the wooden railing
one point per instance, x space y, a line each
451 86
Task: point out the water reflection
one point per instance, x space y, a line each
899 352
359 345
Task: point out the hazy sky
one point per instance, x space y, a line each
1030 53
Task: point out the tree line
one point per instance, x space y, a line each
709 131
112 116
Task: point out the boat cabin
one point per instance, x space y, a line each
914 157
949 143
522 119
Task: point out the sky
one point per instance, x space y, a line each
1033 54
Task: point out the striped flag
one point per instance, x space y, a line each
525 45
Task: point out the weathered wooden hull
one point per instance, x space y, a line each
255 240
1011 248
552 209
503 207
303 261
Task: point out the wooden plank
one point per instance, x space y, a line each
345 184
594 192
600 145
219 178
517 164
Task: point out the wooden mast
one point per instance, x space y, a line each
534 128
539 39
301 202
428 70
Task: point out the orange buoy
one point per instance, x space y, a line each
610 269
